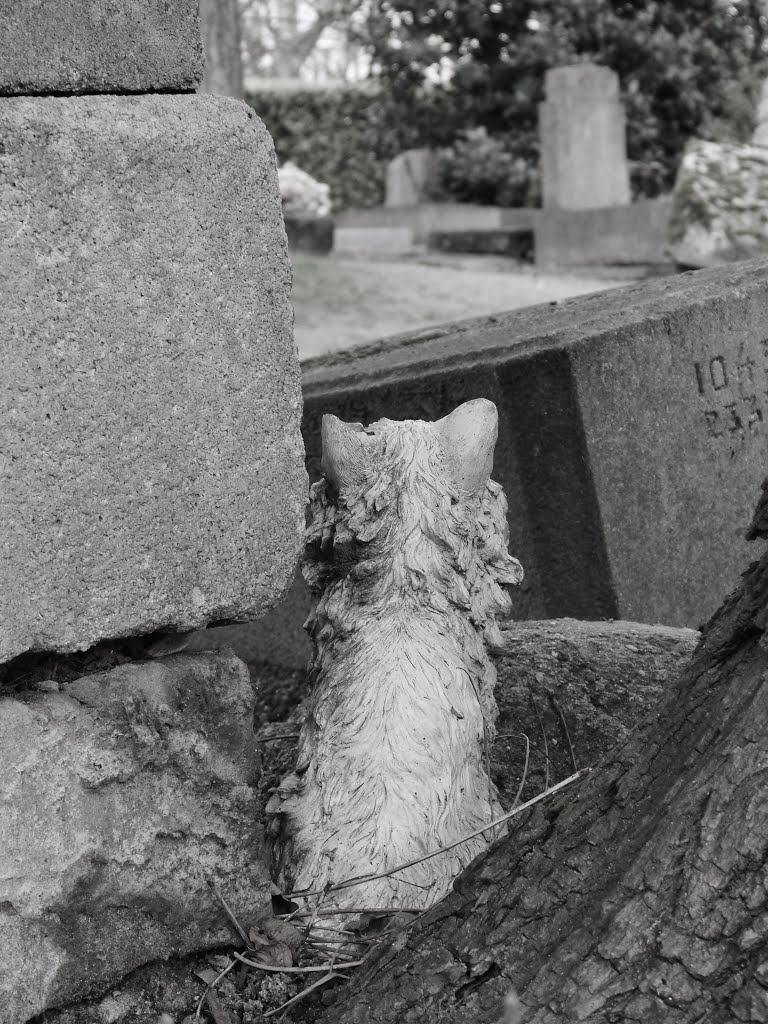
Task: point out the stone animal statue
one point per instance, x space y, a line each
407 553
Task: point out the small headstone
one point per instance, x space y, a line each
410 177
720 204
583 144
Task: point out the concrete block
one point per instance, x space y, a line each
122 794
632 434
615 235
151 470
96 46
394 241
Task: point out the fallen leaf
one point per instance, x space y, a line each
207 975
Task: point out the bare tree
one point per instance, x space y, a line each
279 36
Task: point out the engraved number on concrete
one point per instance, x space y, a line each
735 391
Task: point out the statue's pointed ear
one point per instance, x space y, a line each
344 451
468 437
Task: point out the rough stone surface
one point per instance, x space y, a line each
122 794
582 136
720 204
605 677
76 46
631 436
594 681
151 469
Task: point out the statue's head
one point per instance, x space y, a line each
458 449
409 506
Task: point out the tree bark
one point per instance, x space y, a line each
640 894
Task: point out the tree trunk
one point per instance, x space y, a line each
220 32
639 894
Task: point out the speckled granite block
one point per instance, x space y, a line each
76 46
151 465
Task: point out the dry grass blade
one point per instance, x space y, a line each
563 726
333 911
228 912
288 970
546 745
282 736
349 882
519 793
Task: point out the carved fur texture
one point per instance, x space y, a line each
407 553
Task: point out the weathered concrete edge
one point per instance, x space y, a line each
524 332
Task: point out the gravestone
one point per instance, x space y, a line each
410 177
582 136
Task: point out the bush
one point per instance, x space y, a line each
347 135
686 69
479 168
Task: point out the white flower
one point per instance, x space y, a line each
301 193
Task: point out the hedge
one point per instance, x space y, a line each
346 135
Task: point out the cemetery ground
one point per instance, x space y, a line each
342 302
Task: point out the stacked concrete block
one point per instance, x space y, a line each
151 481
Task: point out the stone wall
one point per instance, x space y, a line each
151 481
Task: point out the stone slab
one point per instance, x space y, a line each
427 217
513 242
97 46
582 134
615 235
394 241
122 794
151 469
720 204
632 434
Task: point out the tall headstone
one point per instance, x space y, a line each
410 177
582 136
